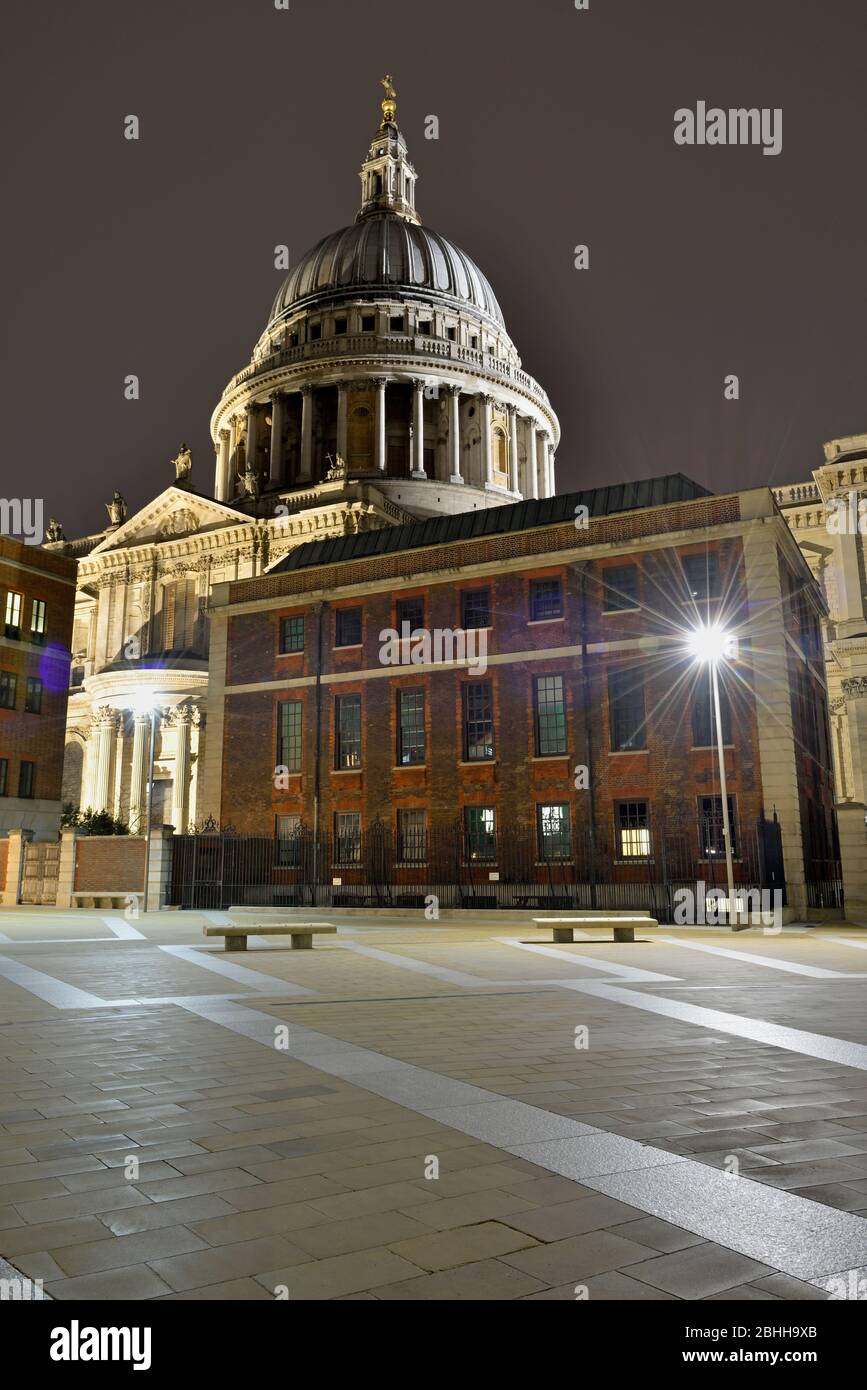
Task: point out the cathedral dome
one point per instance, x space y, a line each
384 252
385 367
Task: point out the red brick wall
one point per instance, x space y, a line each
110 863
37 738
671 774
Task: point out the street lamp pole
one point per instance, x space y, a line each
723 789
150 801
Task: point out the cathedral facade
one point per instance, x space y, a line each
384 389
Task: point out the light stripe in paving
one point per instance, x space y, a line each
847 1054
46 987
772 962
440 972
123 929
793 1234
605 967
847 941
240 974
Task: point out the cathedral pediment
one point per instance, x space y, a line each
176 513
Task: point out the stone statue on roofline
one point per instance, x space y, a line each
183 463
337 472
117 509
54 530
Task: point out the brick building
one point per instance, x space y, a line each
37 594
579 718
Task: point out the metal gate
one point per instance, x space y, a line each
39 872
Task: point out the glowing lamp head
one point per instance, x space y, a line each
143 701
709 643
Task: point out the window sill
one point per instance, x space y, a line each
549 757
477 762
341 771
350 647
614 612
538 622
626 752
403 767
298 653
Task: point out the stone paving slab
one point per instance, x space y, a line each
309 1168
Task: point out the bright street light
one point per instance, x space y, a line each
709 644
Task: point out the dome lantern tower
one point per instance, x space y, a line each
387 176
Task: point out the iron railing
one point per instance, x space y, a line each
508 869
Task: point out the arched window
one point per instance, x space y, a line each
501 450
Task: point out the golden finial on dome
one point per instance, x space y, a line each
389 105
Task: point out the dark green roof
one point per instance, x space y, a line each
494 521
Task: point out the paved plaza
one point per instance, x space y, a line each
419 1110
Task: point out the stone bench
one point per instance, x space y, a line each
104 898
301 934
622 925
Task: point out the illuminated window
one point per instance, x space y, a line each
633 829
480 832
37 621
553 827
347 725
13 614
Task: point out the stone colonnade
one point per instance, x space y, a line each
115 775
246 433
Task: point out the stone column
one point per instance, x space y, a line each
275 470
234 434
513 449
487 457
138 775
853 859
542 455
416 461
454 434
778 751
15 865
342 431
181 717
252 434
224 468
66 869
306 435
849 608
532 488
105 728
379 456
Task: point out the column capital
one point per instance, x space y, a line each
453 389
277 394
380 382
306 388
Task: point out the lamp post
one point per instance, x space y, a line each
709 644
145 703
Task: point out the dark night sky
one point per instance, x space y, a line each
556 128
